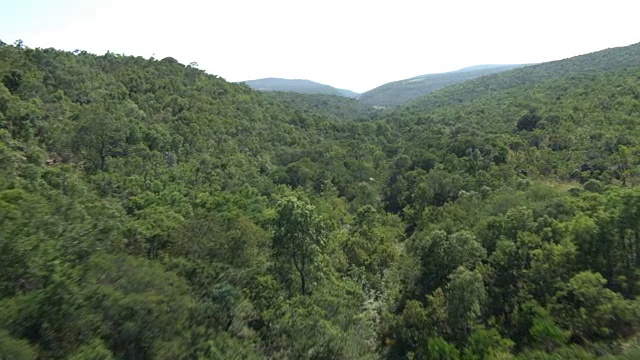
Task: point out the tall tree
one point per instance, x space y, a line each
298 239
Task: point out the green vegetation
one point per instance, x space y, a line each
298 86
151 211
402 91
336 108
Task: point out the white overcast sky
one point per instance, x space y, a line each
356 45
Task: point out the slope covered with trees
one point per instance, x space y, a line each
149 210
337 108
402 91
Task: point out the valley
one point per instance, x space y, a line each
150 210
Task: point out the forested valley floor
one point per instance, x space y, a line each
149 210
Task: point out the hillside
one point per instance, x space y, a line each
400 92
622 60
570 120
337 108
140 195
149 210
297 86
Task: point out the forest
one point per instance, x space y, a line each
402 91
149 210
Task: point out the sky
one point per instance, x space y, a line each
350 44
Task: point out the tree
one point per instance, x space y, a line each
144 309
465 296
544 331
528 121
15 349
95 350
438 349
298 239
592 312
487 344
371 245
442 254
106 130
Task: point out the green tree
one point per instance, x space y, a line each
465 296
438 349
442 254
593 312
487 344
95 350
298 240
15 349
144 308
100 135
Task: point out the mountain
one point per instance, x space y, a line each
298 86
349 93
400 92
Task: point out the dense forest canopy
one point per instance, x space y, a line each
336 108
149 210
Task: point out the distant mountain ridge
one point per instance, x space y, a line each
402 91
391 94
302 86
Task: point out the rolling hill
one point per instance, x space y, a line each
564 119
400 92
582 68
298 86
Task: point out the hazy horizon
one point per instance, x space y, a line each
357 46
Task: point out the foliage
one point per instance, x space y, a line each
149 210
